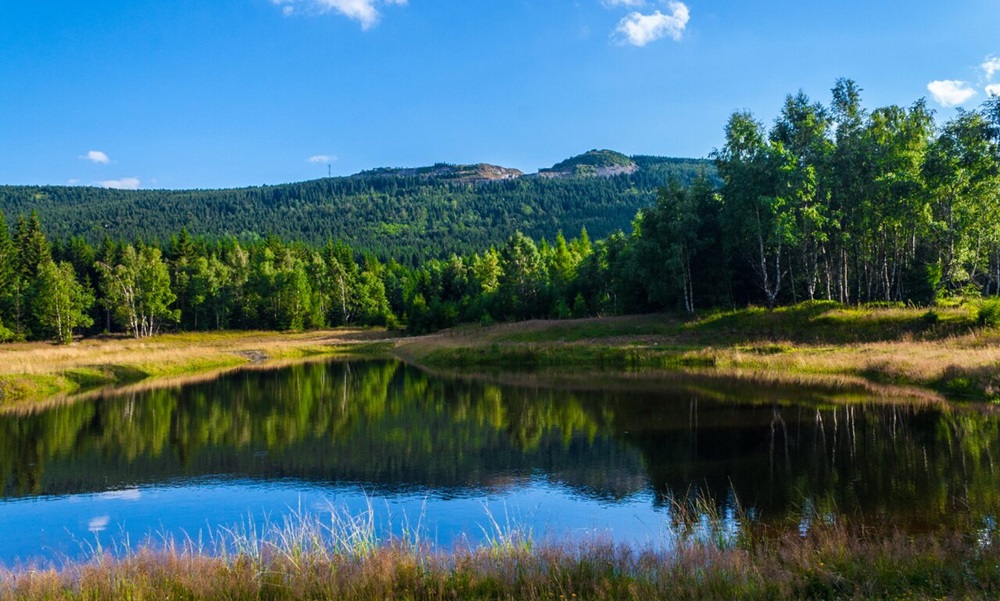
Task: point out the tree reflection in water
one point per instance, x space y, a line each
391 427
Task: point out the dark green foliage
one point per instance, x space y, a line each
831 203
8 285
408 215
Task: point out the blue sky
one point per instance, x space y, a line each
205 94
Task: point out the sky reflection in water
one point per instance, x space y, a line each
597 458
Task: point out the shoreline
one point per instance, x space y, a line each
875 351
878 352
34 374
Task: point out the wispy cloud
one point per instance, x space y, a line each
365 12
990 67
628 3
96 156
322 158
125 183
950 92
639 29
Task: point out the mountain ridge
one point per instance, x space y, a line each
404 213
593 163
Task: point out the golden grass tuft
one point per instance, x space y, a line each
309 558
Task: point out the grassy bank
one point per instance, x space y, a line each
31 372
945 351
314 559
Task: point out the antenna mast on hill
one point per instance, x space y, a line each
329 170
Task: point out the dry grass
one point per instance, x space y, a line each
32 372
880 350
341 558
876 350
935 365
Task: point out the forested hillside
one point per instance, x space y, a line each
837 202
406 214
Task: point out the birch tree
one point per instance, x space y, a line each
61 302
137 290
755 211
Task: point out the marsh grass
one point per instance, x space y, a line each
339 556
955 355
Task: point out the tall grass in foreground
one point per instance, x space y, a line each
342 557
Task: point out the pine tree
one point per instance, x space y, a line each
8 272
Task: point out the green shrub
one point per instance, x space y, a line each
989 313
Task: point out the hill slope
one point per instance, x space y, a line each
405 213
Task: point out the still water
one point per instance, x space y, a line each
451 456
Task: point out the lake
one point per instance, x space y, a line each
454 458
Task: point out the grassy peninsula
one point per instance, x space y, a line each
37 371
943 352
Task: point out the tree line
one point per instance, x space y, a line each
831 202
842 203
392 214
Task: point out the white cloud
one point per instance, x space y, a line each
993 89
125 183
322 158
365 12
950 92
991 66
96 156
639 29
629 3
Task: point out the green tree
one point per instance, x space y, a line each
291 295
137 290
898 212
961 170
373 306
342 275
803 130
668 246
32 251
561 263
849 181
61 302
240 311
182 256
8 277
522 278
756 209
32 247
991 112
